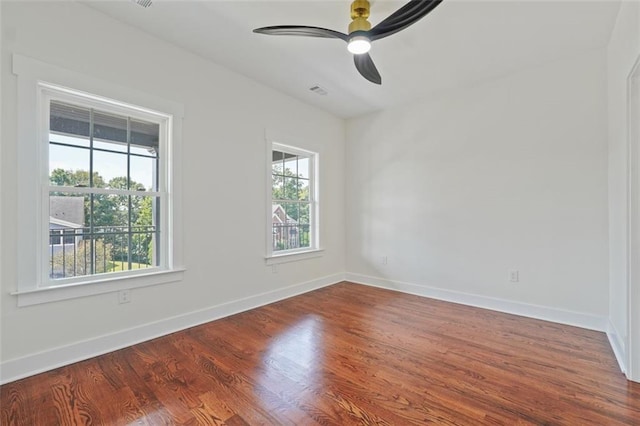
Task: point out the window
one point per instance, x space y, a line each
105 190
98 173
293 208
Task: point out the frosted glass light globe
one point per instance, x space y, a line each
359 45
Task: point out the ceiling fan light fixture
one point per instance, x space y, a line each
361 34
359 45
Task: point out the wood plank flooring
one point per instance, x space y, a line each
346 354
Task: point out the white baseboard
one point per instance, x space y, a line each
44 361
618 346
578 319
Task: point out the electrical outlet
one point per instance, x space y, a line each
384 260
514 275
124 296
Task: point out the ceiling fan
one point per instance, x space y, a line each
360 32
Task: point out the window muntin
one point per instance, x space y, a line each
293 214
105 172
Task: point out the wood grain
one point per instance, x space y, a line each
345 354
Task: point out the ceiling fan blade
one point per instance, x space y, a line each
367 68
405 11
301 30
407 15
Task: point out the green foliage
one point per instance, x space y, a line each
287 186
63 177
80 264
143 243
111 213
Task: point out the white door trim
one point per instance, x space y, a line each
633 238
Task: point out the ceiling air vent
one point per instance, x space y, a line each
318 90
143 3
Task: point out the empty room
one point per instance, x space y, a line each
325 212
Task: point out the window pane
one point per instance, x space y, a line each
304 235
293 233
111 228
277 162
143 232
69 119
118 243
109 132
67 235
112 168
277 187
303 190
304 227
304 213
68 210
145 151
303 167
112 128
278 220
69 140
68 166
285 226
291 165
110 211
110 146
143 173
292 212
144 137
290 188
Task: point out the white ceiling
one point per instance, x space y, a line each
460 43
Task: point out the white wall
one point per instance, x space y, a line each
622 52
223 186
512 174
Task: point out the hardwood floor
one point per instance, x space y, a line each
346 354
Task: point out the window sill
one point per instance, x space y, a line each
94 287
294 257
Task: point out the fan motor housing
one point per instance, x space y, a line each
360 10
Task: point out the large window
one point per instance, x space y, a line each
293 214
104 193
99 182
105 189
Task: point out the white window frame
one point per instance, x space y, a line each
38 83
48 93
314 250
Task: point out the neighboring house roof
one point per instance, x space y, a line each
67 209
280 214
63 223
